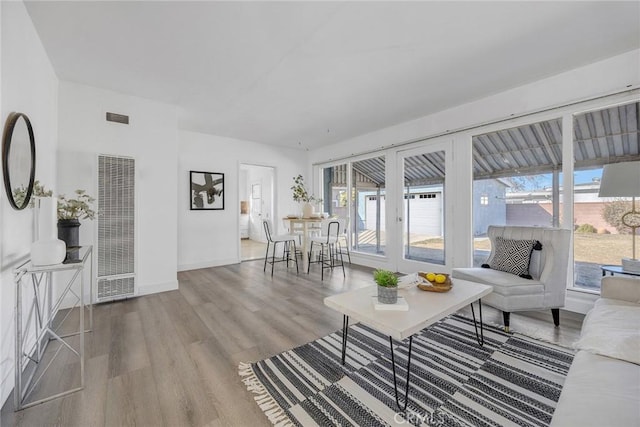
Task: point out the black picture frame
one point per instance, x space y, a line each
206 191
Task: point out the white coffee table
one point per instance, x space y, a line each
425 308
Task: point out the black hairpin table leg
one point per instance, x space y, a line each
479 338
345 332
395 385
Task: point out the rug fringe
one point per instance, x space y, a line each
274 413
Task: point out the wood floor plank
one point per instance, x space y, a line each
225 329
132 400
234 405
128 349
187 323
180 389
88 407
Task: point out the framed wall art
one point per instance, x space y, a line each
207 190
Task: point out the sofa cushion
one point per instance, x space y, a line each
512 256
612 328
503 283
599 391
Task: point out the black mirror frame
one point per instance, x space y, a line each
6 146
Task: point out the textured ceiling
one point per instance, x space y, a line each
305 74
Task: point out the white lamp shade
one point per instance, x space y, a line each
620 180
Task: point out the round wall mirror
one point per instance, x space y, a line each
18 160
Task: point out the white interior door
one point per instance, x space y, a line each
255 216
260 181
422 210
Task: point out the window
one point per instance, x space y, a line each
519 170
599 138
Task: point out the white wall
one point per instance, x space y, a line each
210 238
29 85
150 138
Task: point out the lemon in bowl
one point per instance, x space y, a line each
440 278
431 277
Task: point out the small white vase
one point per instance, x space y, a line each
48 252
307 210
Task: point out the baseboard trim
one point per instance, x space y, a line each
207 264
579 302
156 288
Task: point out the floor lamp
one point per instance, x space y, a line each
623 180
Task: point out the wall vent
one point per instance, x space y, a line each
109 289
116 227
118 118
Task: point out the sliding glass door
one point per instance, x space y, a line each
421 220
356 191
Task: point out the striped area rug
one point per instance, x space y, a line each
512 380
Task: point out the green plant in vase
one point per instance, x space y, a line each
301 195
79 207
70 212
387 283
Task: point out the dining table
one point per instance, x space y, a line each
308 225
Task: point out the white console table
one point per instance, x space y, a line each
45 321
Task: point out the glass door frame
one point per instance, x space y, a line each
396 243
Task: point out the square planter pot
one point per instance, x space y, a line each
387 295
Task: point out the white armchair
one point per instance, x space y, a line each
546 289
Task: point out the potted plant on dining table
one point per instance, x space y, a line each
301 195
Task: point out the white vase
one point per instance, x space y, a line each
47 249
307 210
48 252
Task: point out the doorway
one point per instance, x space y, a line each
256 204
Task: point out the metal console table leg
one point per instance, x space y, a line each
42 325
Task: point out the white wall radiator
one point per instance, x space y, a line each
116 228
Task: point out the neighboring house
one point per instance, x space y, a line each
489 204
535 207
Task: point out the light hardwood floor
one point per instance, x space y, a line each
171 358
251 249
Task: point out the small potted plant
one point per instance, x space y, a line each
70 211
387 286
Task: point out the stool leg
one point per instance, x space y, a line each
322 262
266 257
273 257
295 256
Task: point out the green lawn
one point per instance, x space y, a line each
588 247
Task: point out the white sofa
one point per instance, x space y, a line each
603 384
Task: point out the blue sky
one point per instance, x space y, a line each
580 177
